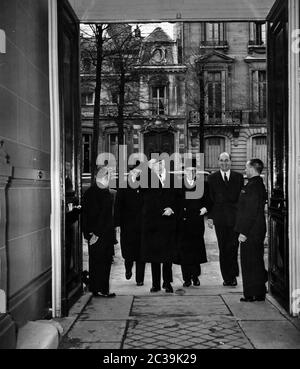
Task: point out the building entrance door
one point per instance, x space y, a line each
158 142
70 143
278 151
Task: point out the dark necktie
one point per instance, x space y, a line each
226 178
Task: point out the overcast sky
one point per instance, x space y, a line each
147 28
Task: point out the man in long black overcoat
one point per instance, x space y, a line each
224 187
251 226
191 246
98 230
128 216
159 225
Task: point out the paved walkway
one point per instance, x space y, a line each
210 316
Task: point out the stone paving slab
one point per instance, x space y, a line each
272 335
183 333
97 331
207 291
251 311
178 306
108 309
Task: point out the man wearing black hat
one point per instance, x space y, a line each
159 224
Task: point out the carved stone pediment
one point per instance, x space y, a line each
159 124
214 57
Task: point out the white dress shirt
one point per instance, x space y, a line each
162 177
227 174
191 182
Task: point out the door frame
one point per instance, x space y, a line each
56 162
68 27
57 182
293 169
294 161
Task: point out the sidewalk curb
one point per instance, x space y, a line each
74 313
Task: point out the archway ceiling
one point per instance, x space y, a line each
170 10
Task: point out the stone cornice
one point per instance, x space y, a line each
163 68
255 59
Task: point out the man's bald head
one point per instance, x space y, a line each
225 155
225 161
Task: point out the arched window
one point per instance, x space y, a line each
214 146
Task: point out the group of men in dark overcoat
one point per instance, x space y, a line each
171 226
160 224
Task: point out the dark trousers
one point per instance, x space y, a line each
228 252
139 269
99 270
190 271
156 273
253 267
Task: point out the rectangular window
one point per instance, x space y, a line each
259 148
88 98
86 152
213 34
257 33
159 101
262 94
213 148
114 97
113 144
214 87
259 97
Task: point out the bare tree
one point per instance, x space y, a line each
124 50
93 41
197 92
110 53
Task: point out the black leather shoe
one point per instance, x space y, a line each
154 289
252 298
230 283
128 275
107 295
139 283
234 282
165 284
187 284
196 282
169 288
